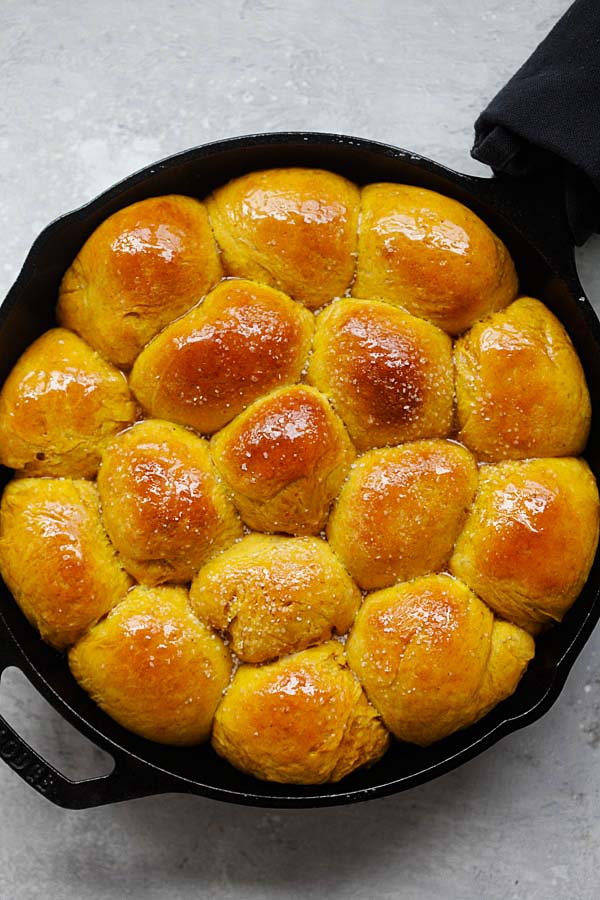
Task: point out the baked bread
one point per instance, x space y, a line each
530 539
520 386
153 667
55 557
162 502
295 229
301 720
388 374
432 256
141 268
273 595
432 658
60 406
285 459
401 510
205 368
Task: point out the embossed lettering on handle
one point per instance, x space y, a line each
123 783
24 761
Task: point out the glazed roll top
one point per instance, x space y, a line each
163 504
301 720
272 595
530 538
295 229
389 375
285 459
60 406
205 368
55 557
141 268
401 510
432 256
154 668
432 658
520 386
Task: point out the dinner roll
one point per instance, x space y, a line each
432 256
335 454
163 505
273 595
520 386
59 407
401 510
530 539
142 267
294 229
244 340
55 557
153 667
432 658
388 374
285 459
301 720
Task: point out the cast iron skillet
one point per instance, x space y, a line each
529 217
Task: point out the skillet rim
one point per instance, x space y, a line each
514 202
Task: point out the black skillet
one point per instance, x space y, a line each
530 217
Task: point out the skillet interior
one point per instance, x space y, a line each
528 217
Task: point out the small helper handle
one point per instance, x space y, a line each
123 783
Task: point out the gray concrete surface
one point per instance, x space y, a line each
89 92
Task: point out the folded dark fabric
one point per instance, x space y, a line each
547 117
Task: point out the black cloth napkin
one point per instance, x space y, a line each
547 117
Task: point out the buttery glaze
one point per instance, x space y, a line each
230 361
520 386
432 658
301 720
285 459
295 229
400 511
162 503
205 368
60 406
273 595
143 266
153 667
388 374
55 557
432 256
530 539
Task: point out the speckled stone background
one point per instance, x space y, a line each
91 91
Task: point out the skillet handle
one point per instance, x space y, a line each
124 783
544 121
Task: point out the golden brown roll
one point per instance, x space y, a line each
401 510
294 229
432 256
273 595
153 667
530 539
209 365
388 374
55 557
142 267
285 459
163 505
301 720
432 658
452 518
520 386
60 406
